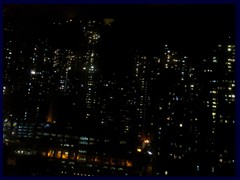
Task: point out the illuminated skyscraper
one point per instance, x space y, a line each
91 30
88 96
142 83
218 79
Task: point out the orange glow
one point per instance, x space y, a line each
49 119
129 163
50 115
50 153
58 154
65 155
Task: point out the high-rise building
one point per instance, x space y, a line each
62 116
187 113
218 86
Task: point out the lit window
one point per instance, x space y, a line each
197 167
58 154
83 137
139 150
129 163
213 169
50 153
147 141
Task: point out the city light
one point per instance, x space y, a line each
150 153
94 96
146 141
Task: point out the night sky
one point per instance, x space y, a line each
192 30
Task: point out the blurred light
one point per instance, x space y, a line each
139 150
33 72
129 163
146 141
150 153
213 169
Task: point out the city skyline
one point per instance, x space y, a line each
119 93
